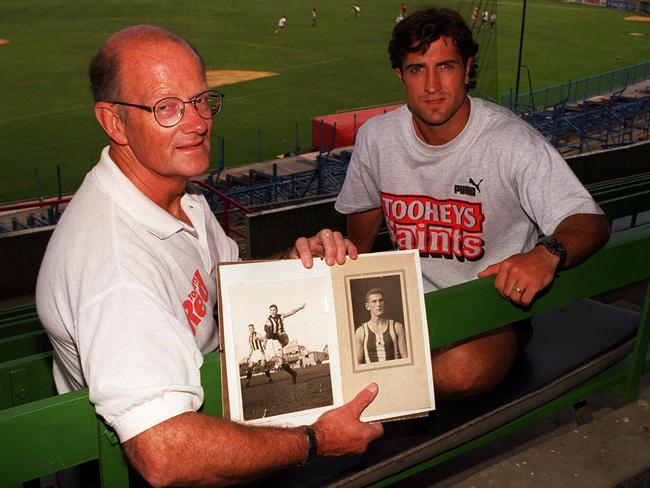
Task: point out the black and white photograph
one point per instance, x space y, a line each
278 361
383 333
380 335
297 342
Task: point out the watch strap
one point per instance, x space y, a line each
555 246
312 444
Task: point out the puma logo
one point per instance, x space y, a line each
469 190
476 185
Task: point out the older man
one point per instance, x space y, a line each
127 285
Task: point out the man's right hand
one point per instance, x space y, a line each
340 431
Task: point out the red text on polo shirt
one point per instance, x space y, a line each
194 305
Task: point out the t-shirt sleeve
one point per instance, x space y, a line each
140 366
549 191
360 190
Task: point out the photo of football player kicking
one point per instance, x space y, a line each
274 329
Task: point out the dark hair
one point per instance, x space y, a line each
374 291
418 30
104 75
104 69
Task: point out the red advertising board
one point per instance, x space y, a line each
340 130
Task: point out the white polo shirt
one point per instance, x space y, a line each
126 293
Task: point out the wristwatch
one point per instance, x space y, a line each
554 246
311 439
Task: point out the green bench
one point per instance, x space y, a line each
53 433
623 197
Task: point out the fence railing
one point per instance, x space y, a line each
577 90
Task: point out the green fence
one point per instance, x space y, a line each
577 90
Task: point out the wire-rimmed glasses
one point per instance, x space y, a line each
169 111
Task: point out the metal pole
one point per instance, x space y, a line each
58 179
297 150
521 48
39 193
222 150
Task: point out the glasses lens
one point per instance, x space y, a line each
208 104
169 111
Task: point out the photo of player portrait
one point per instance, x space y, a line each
281 346
380 326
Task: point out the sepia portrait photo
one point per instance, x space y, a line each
380 321
383 333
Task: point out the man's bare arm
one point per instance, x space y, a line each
358 346
582 235
363 228
193 449
531 272
290 313
401 340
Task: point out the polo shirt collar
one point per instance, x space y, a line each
135 203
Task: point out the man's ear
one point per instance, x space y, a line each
110 120
398 72
468 67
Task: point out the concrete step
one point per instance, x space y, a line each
604 453
603 445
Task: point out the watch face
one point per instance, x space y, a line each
556 247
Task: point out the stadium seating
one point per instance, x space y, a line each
592 124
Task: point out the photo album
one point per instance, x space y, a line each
296 342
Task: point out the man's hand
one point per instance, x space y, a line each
520 277
340 431
327 244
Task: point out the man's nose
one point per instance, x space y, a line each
432 82
193 121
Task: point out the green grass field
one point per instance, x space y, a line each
341 65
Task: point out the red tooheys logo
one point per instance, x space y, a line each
194 305
449 228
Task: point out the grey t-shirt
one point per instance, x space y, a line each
472 202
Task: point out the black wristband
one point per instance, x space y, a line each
311 440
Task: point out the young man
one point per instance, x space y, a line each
274 329
470 185
128 282
379 339
256 354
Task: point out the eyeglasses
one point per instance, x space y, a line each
169 111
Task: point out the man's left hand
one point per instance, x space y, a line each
327 244
521 276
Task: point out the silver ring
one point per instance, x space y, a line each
518 290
